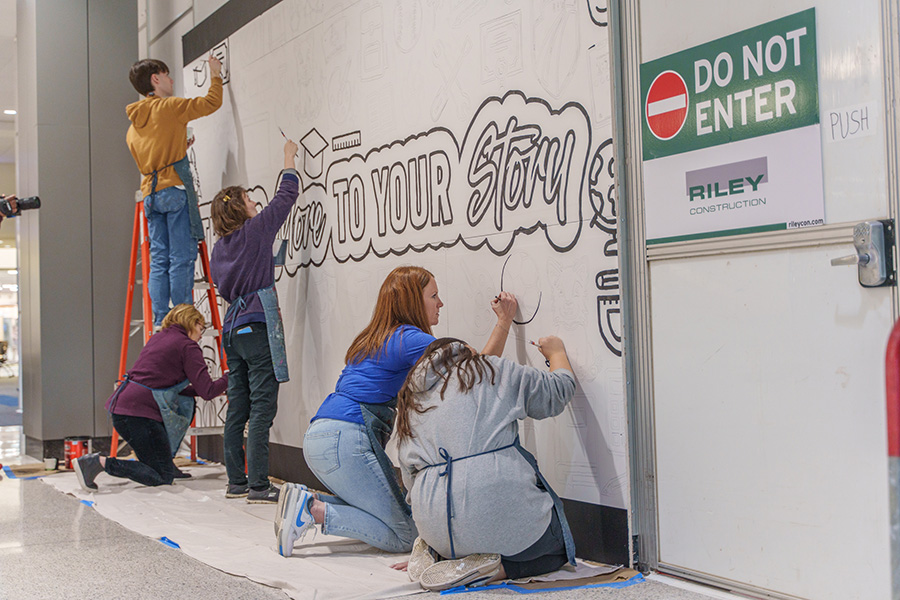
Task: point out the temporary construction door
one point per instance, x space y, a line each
765 363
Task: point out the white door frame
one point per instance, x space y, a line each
625 31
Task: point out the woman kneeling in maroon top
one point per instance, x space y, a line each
171 358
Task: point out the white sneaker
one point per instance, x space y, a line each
296 520
421 557
475 569
279 512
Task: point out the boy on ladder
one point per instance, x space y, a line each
158 142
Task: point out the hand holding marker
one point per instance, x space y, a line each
284 136
546 360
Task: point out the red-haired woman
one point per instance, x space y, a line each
344 445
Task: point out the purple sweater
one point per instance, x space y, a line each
242 261
169 357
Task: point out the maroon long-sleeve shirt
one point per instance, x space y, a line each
169 357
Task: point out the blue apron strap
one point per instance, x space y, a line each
182 167
448 472
126 379
268 298
557 503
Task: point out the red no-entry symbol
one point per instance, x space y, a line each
667 104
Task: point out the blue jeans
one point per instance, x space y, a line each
172 250
252 400
363 508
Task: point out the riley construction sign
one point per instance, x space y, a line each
718 122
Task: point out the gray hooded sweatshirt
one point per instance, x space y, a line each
496 504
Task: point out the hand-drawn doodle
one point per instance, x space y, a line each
609 317
346 140
466 11
601 98
221 52
557 43
482 292
615 488
371 43
501 47
602 180
313 147
340 93
334 40
442 61
307 78
570 300
523 167
443 94
521 279
599 11
201 74
407 24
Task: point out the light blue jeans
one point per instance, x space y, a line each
173 251
363 507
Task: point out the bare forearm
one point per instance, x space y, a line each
497 341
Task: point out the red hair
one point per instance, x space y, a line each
400 302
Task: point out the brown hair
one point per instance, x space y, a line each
185 315
443 358
228 210
399 303
141 73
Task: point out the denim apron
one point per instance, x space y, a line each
379 422
177 411
274 326
529 458
183 168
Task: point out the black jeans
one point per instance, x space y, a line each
253 397
150 442
546 555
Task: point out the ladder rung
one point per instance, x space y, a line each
206 430
201 285
211 333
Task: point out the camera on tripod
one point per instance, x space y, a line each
21 204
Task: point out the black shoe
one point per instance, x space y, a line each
235 490
86 469
266 496
179 474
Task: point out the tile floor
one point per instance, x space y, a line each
53 546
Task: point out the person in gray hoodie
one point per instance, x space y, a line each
475 492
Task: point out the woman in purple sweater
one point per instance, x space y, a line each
244 271
171 363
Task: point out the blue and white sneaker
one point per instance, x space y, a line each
279 511
296 520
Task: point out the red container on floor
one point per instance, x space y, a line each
76 447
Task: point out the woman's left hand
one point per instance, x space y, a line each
505 306
401 566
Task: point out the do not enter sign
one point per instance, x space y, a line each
667 104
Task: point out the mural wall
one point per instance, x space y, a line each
466 136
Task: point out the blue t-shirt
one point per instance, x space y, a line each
375 379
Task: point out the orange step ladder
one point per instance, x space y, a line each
140 238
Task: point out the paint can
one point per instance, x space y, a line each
76 447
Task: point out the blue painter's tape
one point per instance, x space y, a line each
11 475
169 542
88 503
520 590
